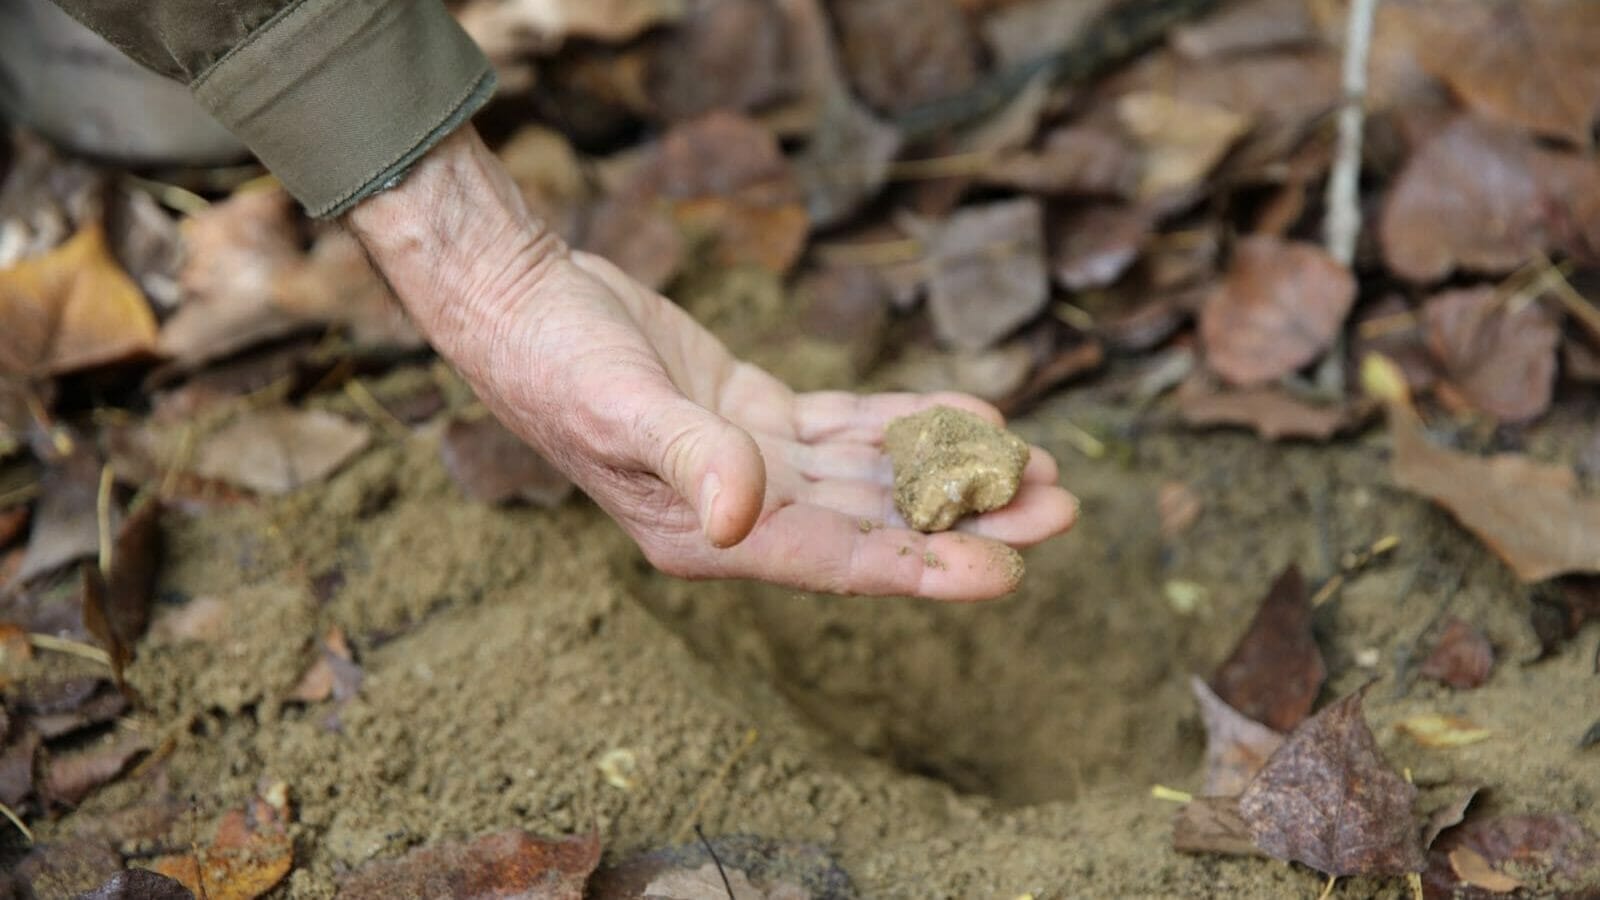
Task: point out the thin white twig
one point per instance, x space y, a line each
1343 225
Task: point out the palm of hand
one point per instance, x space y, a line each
717 469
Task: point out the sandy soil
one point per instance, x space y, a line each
939 751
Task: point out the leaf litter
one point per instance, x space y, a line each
1075 231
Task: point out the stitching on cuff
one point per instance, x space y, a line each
455 114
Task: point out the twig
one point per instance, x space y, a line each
1343 225
178 199
102 516
1555 280
726 884
1327 890
711 783
27 833
19 495
1352 564
70 647
374 409
871 253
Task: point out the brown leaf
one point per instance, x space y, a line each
508 863
846 162
236 252
104 705
1449 815
1182 140
65 523
1552 855
116 603
1095 245
1082 158
1023 32
250 853
1280 307
1212 825
1478 198
19 769
1501 357
901 53
1531 514
721 55
72 308
1461 658
1532 64
1236 746
1326 799
1276 669
549 175
1063 364
275 451
1441 731
334 674
71 777
1272 412
767 863
1559 612
987 272
1179 507
1247 27
492 465
138 884
63 869
719 178
1474 871
13 522
847 305
335 284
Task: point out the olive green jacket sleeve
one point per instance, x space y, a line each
336 97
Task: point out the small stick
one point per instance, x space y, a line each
27 833
726 885
71 648
1555 279
1343 225
102 514
363 398
1327 890
717 778
1351 564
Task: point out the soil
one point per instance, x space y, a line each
526 668
948 463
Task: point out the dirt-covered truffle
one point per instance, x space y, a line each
948 462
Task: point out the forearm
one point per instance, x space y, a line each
456 243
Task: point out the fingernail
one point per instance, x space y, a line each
710 487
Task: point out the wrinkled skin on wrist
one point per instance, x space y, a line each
714 467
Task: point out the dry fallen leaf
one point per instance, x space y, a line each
1023 32
116 602
900 53
65 525
1440 731
1462 657
236 251
275 451
71 777
987 272
1532 64
1280 307
1236 746
72 308
720 179
1499 352
1082 158
509 863
1095 245
492 465
707 883
1182 141
1473 870
1276 669
1179 507
139 884
1478 198
1551 854
66 867
721 55
1247 27
1212 825
249 855
512 27
1531 514
1272 412
1326 799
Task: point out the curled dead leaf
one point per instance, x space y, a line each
1276 669
249 854
508 863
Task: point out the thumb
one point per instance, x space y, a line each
714 465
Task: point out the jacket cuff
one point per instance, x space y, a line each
339 97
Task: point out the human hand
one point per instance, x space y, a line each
714 467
